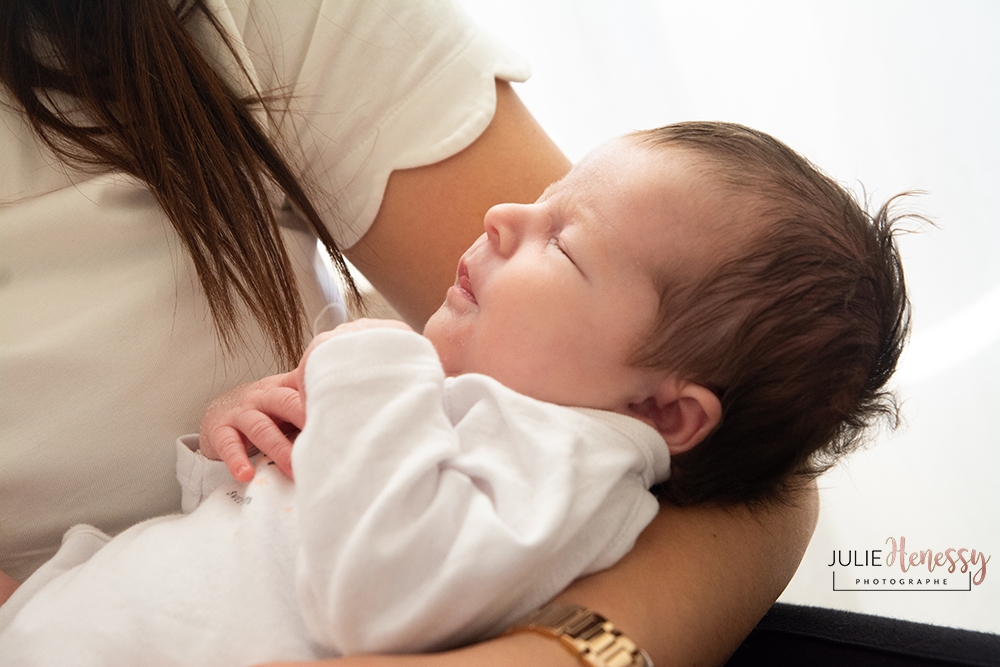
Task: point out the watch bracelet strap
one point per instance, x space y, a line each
594 640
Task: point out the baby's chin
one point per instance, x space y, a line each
445 346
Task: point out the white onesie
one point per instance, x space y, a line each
426 513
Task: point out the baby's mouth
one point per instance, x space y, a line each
464 283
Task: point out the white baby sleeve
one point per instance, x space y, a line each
197 475
418 533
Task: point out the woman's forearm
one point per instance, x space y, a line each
700 578
7 586
510 651
697 582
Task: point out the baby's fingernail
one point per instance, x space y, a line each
243 470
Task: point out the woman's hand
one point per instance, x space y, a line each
261 416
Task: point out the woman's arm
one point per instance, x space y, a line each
7 586
697 582
430 215
699 578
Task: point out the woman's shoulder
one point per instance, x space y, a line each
366 88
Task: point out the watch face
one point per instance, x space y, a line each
593 638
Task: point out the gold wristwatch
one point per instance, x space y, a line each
592 638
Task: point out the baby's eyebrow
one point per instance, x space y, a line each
548 190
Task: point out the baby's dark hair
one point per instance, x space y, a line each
796 330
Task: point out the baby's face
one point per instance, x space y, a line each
554 298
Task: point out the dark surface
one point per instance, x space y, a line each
795 635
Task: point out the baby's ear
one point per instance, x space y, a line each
683 412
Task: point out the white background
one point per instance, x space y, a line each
884 95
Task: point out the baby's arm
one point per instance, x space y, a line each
265 415
7 586
417 533
362 324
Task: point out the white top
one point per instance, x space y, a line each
106 346
426 513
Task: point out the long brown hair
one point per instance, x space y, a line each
145 100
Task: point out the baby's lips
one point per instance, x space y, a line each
464 283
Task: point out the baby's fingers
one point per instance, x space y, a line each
228 445
284 404
260 430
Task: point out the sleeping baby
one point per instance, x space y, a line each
695 310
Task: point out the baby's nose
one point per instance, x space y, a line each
505 224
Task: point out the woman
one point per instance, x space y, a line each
159 250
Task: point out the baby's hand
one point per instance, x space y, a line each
256 416
262 415
346 327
